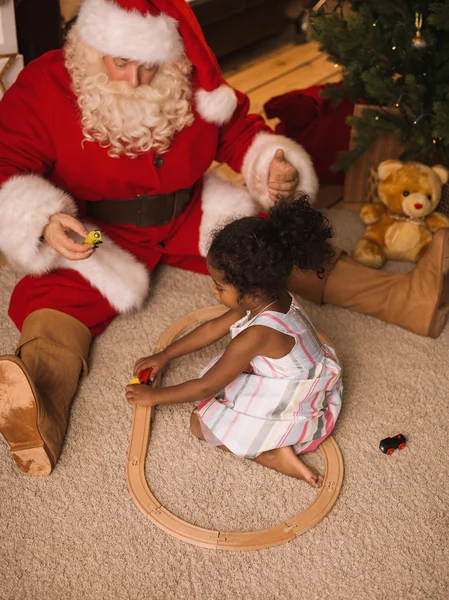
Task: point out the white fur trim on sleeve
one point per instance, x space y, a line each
26 204
216 106
221 201
257 161
120 277
114 31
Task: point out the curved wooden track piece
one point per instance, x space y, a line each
208 538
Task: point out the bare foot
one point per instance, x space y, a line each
284 460
308 475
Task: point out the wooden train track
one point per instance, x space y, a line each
209 538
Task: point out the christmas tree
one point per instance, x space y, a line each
395 55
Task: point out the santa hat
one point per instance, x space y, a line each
158 32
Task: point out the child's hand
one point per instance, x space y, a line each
157 362
141 394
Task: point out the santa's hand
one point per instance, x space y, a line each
55 234
283 178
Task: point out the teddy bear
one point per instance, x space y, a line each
402 225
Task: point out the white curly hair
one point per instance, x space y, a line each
123 119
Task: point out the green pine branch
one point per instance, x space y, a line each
388 65
439 15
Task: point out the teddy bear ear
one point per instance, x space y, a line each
442 173
388 166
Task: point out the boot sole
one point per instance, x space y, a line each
438 322
440 316
18 418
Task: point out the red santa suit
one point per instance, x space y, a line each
45 168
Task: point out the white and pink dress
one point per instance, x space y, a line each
290 401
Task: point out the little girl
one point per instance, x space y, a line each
276 391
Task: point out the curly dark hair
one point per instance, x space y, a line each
256 255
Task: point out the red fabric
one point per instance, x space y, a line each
41 134
316 125
67 291
143 6
208 72
63 290
197 49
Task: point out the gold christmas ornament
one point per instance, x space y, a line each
418 41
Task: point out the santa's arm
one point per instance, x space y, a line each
248 145
27 199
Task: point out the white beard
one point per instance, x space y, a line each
129 120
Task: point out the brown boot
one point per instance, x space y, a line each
417 301
308 285
37 386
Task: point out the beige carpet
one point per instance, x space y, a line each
79 535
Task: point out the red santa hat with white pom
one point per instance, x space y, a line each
158 32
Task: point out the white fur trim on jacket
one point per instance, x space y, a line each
106 26
26 204
217 106
257 162
116 274
221 201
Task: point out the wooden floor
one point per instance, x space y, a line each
273 68
279 69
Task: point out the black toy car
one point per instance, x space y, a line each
389 445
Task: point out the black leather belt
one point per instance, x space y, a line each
144 211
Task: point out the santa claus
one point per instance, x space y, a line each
116 132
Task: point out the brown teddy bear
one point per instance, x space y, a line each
401 227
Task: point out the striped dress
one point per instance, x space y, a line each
290 401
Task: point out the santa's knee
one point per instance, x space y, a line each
61 291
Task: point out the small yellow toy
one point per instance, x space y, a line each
93 237
143 377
